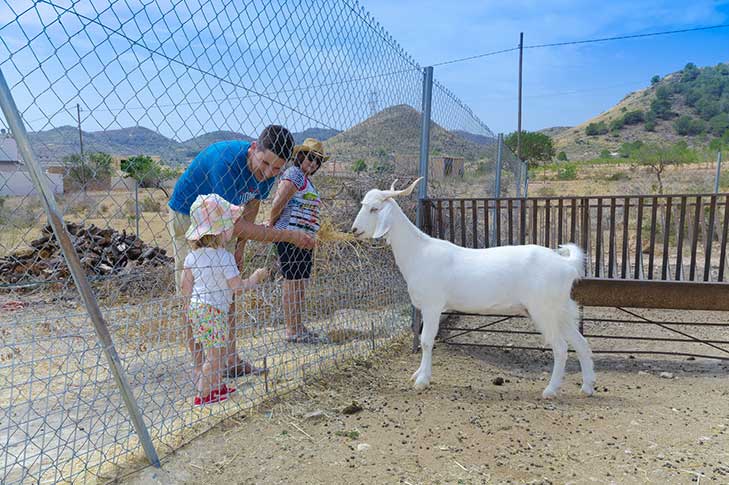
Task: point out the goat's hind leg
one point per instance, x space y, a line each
431 319
579 343
549 325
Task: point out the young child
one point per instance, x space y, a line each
210 277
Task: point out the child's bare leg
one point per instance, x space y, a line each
211 370
196 350
230 353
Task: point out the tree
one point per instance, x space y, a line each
657 158
535 147
655 79
359 166
686 125
562 156
147 172
84 170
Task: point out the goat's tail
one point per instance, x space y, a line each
575 256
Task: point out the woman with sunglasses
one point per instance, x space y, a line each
296 207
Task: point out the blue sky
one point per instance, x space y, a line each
562 85
186 67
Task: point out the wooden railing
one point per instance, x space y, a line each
665 238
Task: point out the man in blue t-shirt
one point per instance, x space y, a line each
242 173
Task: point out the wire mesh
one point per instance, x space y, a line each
120 98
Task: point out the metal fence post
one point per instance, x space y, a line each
499 156
525 167
136 204
12 115
416 323
718 173
424 142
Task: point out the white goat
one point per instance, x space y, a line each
511 279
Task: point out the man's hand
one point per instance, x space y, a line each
301 239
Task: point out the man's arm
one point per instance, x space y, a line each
250 212
245 229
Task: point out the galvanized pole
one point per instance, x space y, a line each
499 155
424 142
718 173
416 318
526 179
518 132
80 133
10 110
136 204
497 184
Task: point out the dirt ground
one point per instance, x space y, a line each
640 427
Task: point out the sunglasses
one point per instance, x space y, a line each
315 158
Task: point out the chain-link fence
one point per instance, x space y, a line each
118 97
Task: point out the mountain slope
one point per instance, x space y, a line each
697 97
392 136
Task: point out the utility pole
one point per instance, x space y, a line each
80 135
518 133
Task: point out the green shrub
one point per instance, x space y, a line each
567 171
617 124
687 125
562 156
359 166
634 117
594 129
148 204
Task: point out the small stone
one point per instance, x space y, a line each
666 375
314 415
643 373
363 447
498 381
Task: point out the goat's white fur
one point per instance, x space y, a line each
509 279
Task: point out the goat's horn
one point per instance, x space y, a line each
410 189
398 193
392 187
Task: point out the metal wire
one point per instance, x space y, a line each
100 84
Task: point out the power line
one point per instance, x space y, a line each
622 37
478 56
586 41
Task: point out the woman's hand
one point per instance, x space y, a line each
259 276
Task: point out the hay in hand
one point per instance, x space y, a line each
328 232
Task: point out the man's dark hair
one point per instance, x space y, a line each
277 139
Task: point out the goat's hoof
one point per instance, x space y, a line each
549 393
421 383
587 389
415 374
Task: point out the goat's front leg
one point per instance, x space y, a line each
431 319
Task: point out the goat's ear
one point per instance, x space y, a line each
383 220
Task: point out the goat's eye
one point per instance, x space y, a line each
374 209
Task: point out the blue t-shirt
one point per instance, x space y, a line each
222 168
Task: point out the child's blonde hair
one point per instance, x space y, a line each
208 241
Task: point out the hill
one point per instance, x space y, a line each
690 105
392 137
54 144
321 134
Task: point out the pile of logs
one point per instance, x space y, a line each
103 252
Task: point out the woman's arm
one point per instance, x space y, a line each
284 193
